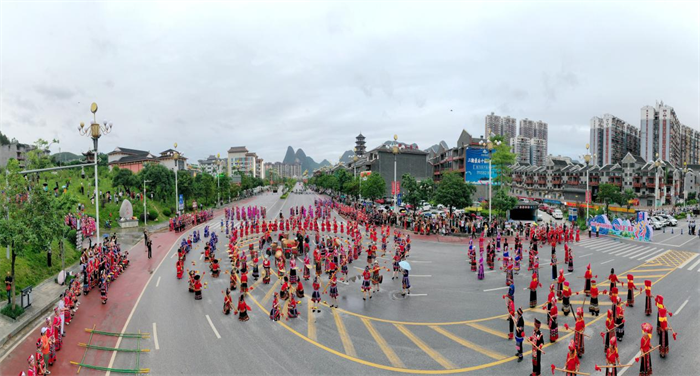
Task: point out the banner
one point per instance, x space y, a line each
623 228
476 167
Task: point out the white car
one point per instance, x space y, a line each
655 223
671 221
557 214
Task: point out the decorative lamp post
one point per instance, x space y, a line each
490 147
685 186
657 164
95 131
587 158
176 156
395 150
218 186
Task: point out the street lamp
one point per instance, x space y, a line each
395 150
94 131
657 163
176 155
218 186
685 186
490 146
145 214
587 158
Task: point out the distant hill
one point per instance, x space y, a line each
65 157
347 156
307 163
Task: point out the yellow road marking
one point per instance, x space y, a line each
390 354
269 293
488 330
427 349
311 333
347 342
651 270
572 302
650 276
468 344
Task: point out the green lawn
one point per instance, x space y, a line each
31 269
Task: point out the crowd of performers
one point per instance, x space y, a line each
182 222
269 248
100 265
560 291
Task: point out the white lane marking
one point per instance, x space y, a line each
417 295
691 239
158 282
567 273
681 308
694 264
643 254
498 288
614 248
585 255
420 275
622 372
174 253
128 319
605 262
421 262
213 328
681 266
622 250
490 271
659 253
155 336
200 256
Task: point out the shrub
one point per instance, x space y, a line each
72 236
166 212
152 215
9 311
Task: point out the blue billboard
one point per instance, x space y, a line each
476 167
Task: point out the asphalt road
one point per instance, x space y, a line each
451 322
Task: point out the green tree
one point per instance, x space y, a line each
502 201
125 178
352 187
427 189
627 196
410 191
501 160
162 179
343 176
453 191
609 193
39 156
374 187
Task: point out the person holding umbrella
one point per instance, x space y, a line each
405 282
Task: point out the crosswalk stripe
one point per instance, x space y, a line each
656 254
615 248
637 253
344 337
694 264
629 251
691 258
388 351
641 255
468 344
622 249
427 349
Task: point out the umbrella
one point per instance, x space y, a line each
405 265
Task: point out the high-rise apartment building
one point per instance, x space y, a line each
611 138
538 152
690 146
501 126
535 130
660 133
521 148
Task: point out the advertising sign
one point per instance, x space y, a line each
623 228
181 203
476 167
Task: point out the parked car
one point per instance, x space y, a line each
655 223
664 222
671 221
557 214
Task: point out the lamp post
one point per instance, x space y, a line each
145 214
218 186
395 150
490 146
94 131
587 158
657 164
176 155
685 186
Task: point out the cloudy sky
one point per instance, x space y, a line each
313 75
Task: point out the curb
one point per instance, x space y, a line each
29 318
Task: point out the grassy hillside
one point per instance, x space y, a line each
31 269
